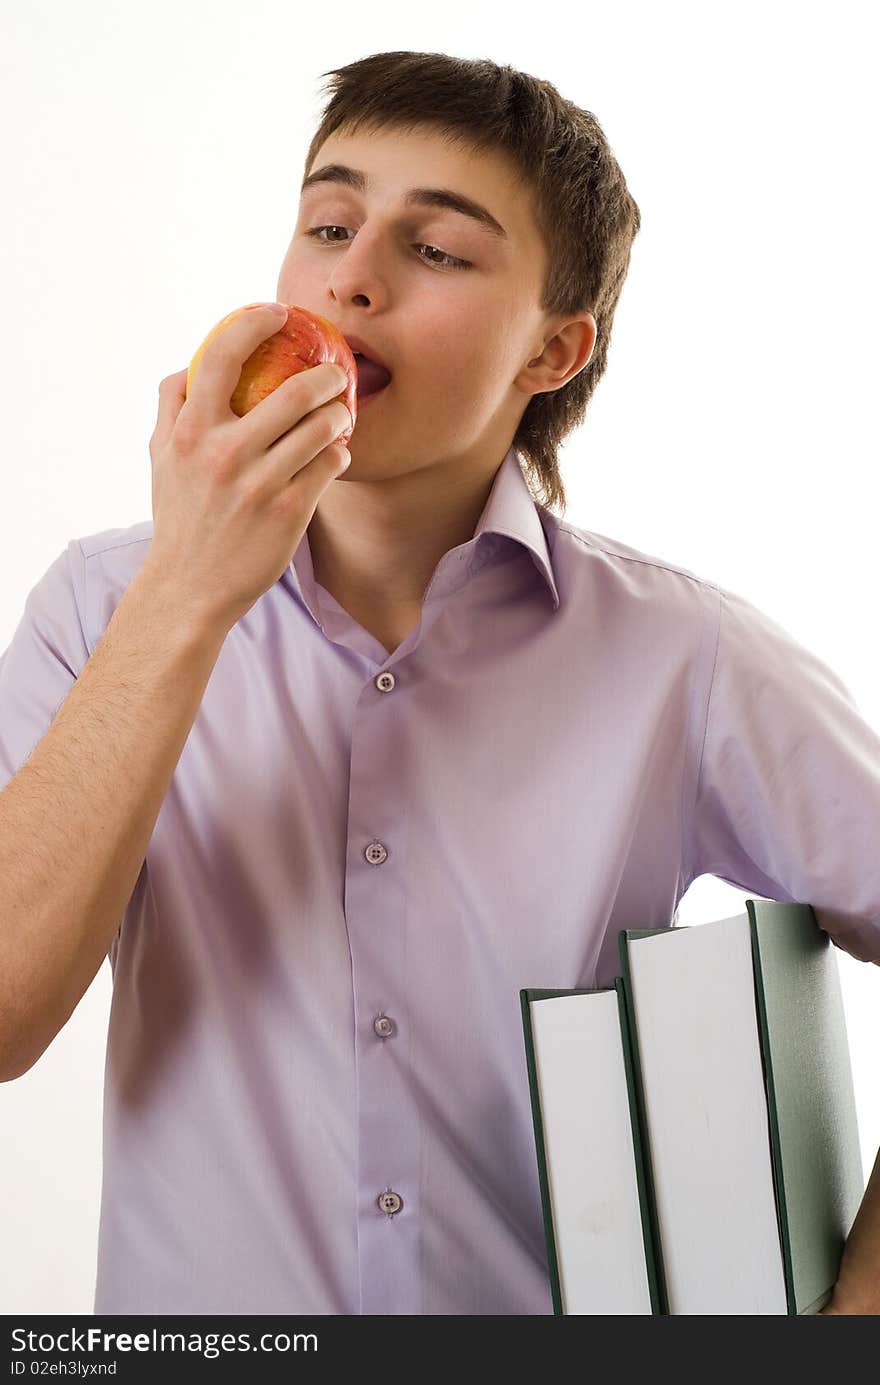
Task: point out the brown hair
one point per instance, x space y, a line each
582 205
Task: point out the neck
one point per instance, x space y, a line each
376 544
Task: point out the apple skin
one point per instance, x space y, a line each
304 340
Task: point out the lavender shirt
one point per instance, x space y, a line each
316 1095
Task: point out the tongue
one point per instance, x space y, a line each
371 377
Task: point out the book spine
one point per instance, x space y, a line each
772 1113
639 1152
641 1115
546 1207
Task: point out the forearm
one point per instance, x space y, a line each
76 819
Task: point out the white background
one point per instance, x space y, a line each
152 157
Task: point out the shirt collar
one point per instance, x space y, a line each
509 513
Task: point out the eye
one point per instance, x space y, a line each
451 261
316 232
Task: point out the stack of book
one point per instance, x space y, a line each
695 1124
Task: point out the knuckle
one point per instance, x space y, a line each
186 432
226 453
254 493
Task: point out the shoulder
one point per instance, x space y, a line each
107 562
603 568
118 547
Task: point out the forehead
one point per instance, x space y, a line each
395 161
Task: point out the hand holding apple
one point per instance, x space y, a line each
236 482
302 341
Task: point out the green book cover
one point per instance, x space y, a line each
811 1104
813 1150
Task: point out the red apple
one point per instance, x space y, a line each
303 341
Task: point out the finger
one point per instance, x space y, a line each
306 486
172 397
299 402
302 445
219 369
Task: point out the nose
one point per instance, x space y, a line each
359 274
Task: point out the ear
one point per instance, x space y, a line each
564 354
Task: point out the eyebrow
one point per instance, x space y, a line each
420 197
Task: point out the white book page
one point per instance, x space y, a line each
589 1154
708 1124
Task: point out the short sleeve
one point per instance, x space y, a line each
41 664
787 799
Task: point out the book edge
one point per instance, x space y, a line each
639 1091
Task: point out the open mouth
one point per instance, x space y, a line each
372 377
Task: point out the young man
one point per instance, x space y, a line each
450 752
461 329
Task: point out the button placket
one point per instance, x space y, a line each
376 915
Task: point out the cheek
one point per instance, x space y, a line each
482 368
464 357
300 272
296 282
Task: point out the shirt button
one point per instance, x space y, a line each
385 682
389 1202
384 1026
375 853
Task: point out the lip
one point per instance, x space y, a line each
358 344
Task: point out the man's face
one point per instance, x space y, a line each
455 338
